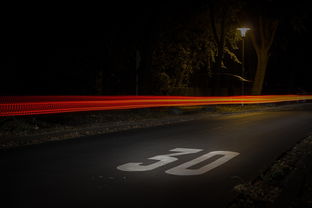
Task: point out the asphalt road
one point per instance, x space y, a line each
208 158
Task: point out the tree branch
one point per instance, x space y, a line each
213 24
261 33
274 28
254 42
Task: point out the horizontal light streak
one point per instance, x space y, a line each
31 105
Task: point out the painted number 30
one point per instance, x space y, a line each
183 169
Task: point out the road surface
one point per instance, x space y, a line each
190 164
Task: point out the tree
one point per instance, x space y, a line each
181 51
267 15
223 19
199 42
262 40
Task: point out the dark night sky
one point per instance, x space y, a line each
42 46
36 38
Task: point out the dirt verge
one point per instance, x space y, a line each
287 183
26 130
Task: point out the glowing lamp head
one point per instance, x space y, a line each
243 30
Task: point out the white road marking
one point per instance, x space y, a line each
183 169
163 160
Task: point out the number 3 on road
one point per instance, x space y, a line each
183 169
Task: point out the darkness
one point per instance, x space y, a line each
62 49
289 69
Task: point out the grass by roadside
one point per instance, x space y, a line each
287 183
25 130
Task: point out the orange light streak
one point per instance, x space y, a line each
32 105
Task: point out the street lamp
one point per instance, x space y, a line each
243 31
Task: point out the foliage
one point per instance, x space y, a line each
179 55
190 48
270 19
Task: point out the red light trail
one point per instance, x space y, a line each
32 105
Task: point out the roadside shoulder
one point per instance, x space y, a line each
286 183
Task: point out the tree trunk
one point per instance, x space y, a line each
262 42
219 37
263 58
99 80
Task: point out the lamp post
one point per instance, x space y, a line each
243 31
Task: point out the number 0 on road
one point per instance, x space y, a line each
183 169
